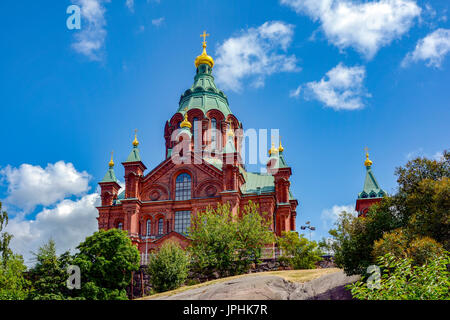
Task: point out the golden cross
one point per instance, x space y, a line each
366 149
204 35
135 131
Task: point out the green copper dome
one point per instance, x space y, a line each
204 94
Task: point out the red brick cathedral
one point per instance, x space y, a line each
202 166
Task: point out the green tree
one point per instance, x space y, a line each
401 280
106 260
228 244
168 268
50 273
298 251
13 285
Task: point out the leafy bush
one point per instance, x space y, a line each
423 249
400 280
168 268
394 243
227 243
13 285
298 252
106 260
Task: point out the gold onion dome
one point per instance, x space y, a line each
135 141
204 58
368 162
273 150
280 148
185 123
111 162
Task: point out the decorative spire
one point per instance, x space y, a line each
368 162
230 132
185 123
204 58
280 148
111 162
135 141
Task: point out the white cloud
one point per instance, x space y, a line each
130 5
158 22
341 89
295 93
68 223
29 186
432 49
330 216
91 39
365 26
255 54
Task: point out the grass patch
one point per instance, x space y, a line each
289 275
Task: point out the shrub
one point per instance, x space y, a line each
168 268
423 249
298 252
401 280
394 243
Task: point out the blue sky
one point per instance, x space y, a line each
333 76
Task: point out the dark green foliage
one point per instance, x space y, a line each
168 268
299 252
401 280
49 275
106 260
228 244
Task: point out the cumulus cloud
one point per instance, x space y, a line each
29 186
130 5
255 54
68 223
330 216
432 49
91 39
341 89
158 22
365 26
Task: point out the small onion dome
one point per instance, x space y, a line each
368 162
273 150
135 141
280 148
111 162
185 123
204 58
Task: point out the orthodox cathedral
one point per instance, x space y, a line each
202 166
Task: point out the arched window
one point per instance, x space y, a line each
183 187
160 226
195 132
149 227
213 133
120 226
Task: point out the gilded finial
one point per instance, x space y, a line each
273 150
111 162
280 148
135 141
204 58
368 162
230 132
185 123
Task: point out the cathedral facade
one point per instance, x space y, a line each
202 167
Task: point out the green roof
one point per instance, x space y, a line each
134 155
110 176
371 187
258 183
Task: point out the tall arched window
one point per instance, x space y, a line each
149 227
183 187
160 226
195 132
213 133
